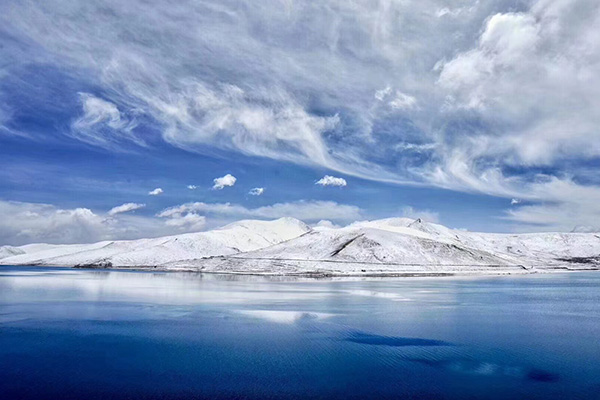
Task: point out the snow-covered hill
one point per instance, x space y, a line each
406 246
288 246
238 237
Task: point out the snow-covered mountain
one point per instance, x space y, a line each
234 238
407 246
288 246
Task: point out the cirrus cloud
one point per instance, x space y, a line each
492 92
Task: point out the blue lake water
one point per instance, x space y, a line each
94 334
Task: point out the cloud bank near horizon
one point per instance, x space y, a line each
24 223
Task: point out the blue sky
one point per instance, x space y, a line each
475 114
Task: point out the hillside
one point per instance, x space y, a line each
406 246
238 237
288 246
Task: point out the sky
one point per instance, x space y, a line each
121 120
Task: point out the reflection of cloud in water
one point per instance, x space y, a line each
162 288
383 295
285 317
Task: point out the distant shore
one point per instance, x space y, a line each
319 274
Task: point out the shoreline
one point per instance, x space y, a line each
323 274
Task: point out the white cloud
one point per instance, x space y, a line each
192 187
530 78
445 11
156 192
566 205
425 215
498 83
403 101
23 223
326 224
102 124
222 182
514 201
188 222
304 210
5 117
396 100
383 93
329 180
256 191
125 208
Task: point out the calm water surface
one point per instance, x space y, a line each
119 334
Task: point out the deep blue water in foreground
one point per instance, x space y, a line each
119 334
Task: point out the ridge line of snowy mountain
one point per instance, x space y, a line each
289 246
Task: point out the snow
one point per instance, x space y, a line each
234 238
287 246
8 251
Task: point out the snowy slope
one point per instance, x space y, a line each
234 238
9 251
288 246
401 245
361 248
371 245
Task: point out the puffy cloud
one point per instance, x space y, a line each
514 201
329 180
530 80
23 223
156 192
227 180
187 222
192 187
256 191
304 210
325 224
426 215
123 208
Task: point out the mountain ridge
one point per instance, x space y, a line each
289 246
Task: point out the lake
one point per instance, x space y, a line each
76 333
